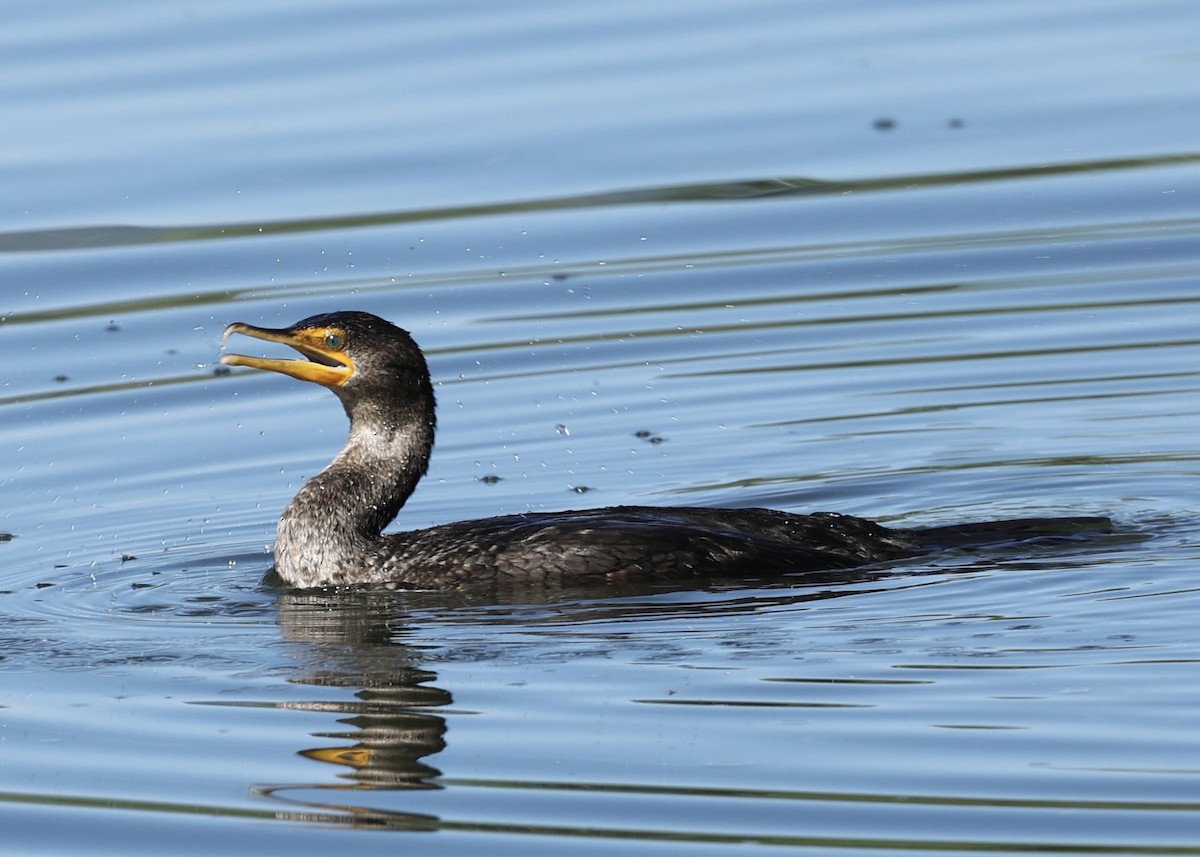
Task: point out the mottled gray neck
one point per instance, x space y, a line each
329 529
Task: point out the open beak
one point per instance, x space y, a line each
324 366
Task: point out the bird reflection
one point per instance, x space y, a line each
393 724
390 735
396 720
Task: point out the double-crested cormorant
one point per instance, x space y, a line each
330 534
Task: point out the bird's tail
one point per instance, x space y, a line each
1011 531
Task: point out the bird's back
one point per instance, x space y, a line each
629 544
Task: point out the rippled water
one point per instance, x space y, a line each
924 263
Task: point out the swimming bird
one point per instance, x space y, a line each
331 534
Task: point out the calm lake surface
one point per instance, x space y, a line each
922 262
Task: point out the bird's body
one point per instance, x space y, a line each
620 544
330 534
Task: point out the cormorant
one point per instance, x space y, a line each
330 534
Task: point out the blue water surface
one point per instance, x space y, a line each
922 262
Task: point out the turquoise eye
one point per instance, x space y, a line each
335 341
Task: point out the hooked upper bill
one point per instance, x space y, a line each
328 364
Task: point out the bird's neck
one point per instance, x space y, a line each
327 532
